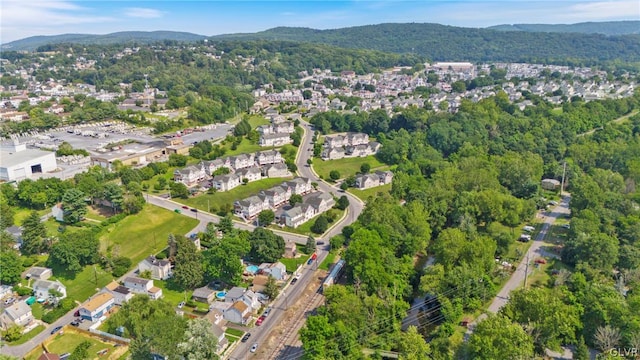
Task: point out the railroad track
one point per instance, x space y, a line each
312 302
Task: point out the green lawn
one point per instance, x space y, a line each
234 332
257 120
245 147
152 182
37 310
305 229
22 213
328 261
171 294
215 201
68 341
28 336
292 264
346 167
82 285
145 233
372 192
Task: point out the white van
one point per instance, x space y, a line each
528 228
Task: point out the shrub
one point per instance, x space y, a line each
23 291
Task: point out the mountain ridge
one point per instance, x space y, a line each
626 27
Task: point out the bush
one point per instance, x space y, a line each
334 175
337 242
121 265
64 307
320 225
23 291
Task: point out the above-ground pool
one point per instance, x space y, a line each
252 269
221 294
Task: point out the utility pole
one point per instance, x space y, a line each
564 171
526 270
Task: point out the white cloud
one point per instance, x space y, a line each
144 13
605 10
36 17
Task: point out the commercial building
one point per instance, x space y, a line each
17 162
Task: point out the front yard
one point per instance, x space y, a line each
145 233
28 336
371 192
80 286
347 166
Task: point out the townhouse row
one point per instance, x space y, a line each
349 145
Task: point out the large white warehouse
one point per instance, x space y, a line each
19 163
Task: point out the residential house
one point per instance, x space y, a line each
57 212
250 207
160 269
251 174
143 286
42 290
190 175
226 182
333 153
276 270
204 294
320 201
299 185
222 342
97 307
354 139
49 356
276 170
38 273
242 161
16 233
358 151
211 166
251 299
334 141
275 139
297 215
550 184
375 179
277 195
290 250
268 157
17 314
259 283
234 294
121 294
239 313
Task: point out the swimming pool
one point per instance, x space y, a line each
252 269
221 294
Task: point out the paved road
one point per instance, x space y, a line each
292 293
535 251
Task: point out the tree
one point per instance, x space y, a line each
13 333
411 345
114 194
11 267
81 351
188 271
74 206
309 162
344 186
310 246
75 250
266 246
266 217
222 260
271 288
226 224
199 343
334 175
295 199
582 351
607 337
33 235
365 168
343 202
179 190
320 225
6 215
497 338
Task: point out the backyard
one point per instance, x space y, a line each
347 166
371 192
80 286
145 233
68 341
217 200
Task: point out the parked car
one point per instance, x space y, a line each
245 338
260 320
194 210
185 207
75 322
56 329
566 226
254 347
178 211
266 312
294 280
541 261
528 228
181 305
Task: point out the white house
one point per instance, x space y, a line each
160 269
299 185
38 273
190 175
277 195
42 290
276 270
121 294
275 139
251 206
252 300
238 313
17 314
226 182
268 157
143 286
297 215
251 174
276 170
333 153
97 307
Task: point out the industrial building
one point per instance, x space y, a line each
17 162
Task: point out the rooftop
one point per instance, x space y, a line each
98 301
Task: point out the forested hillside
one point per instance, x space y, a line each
604 27
450 43
463 186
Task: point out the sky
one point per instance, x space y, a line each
24 18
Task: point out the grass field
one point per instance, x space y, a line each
145 233
228 197
292 264
346 167
328 261
82 285
22 213
69 340
372 192
245 147
171 294
257 120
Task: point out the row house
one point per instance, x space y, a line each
350 139
250 207
211 166
253 173
332 153
190 175
277 195
275 170
226 182
276 127
299 185
372 180
268 157
242 161
312 205
275 139
362 150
